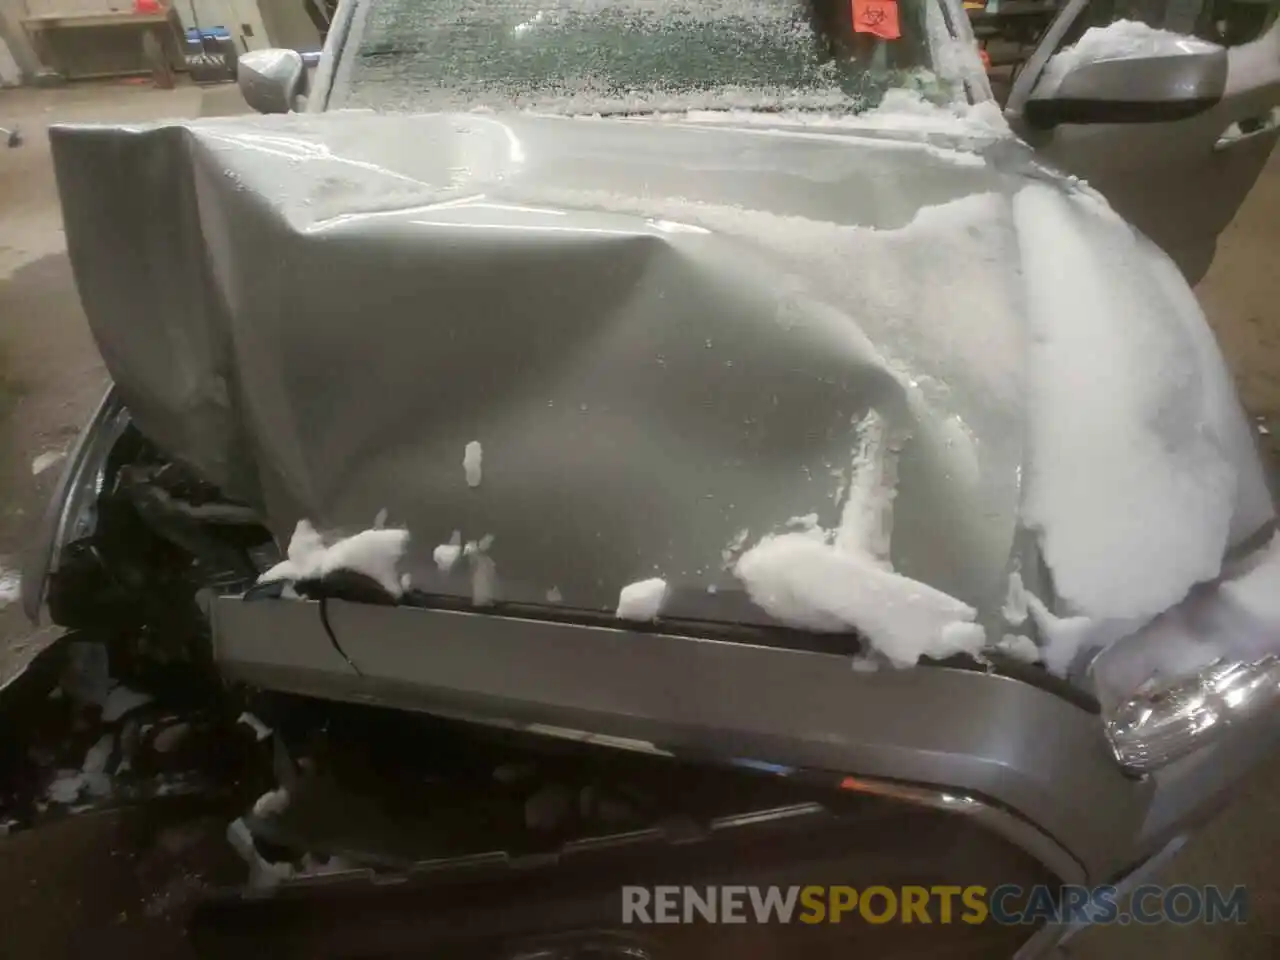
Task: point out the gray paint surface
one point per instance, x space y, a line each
320 312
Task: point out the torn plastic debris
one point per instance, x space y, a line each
374 553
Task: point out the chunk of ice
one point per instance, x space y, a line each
484 572
66 787
374 553
447 554
817 586
1018 647
46 460
642 600
1015 604
472 458
272 803
1064 637
260 729
122 700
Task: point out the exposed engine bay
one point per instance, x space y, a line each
221 794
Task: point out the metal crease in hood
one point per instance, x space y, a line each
663 335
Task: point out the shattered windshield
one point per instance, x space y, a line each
632 56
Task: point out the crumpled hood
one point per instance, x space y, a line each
667 339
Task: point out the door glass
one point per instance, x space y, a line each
1233 22
1225 22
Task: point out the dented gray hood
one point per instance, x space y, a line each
664 336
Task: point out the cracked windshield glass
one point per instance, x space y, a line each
636 56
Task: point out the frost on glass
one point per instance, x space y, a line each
625 56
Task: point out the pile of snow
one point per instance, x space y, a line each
642 600
472 457
374 553
1122 40
1129 486
817 586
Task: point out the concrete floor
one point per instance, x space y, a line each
50 376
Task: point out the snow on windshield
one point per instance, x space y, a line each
611 56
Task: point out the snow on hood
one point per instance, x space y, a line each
668 333
1140 474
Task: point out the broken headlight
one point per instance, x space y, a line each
1169 718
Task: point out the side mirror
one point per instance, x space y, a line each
271 80
1147 89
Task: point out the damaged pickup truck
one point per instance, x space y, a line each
584 445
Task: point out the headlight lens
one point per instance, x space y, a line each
1165 720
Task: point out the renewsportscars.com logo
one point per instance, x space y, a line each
1007 904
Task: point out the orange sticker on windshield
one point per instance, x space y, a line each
877 17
